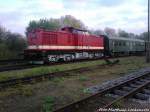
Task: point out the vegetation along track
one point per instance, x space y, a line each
137 87
43 77
27 66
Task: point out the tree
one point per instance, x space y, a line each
11 44
14 40
55 24
110 32
51 24
97 32
69 20
2 34
144 35
122 33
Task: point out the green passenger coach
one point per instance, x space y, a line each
126 46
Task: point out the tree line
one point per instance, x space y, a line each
68 20
12 44
55 24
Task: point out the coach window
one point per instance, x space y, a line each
113 43
123 43
116 43
128 43
142 44
119 43
131 44
137 44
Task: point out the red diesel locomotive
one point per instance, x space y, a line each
67 44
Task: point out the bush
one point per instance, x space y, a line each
11 44
48 104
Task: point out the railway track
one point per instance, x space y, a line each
136 87
27 66
43 77
11 61
18 67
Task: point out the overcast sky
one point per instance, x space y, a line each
129 15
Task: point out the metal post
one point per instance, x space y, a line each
148 38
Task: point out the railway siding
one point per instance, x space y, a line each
53 71
37 78
45 70
116 92
65 90
96 88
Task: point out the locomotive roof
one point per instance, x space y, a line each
127 39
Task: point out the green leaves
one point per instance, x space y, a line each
11 44
48 104
55 24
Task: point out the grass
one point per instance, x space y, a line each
23 90
48 104
26 91
58 80
83 78
45 70
118 104
132 62
65 90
